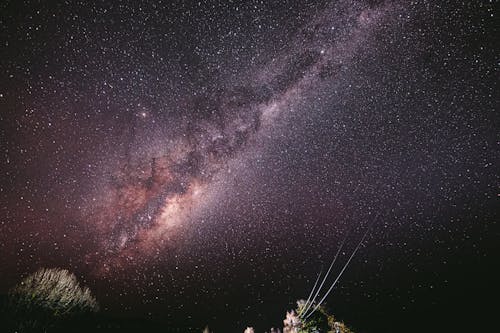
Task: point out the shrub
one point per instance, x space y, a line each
47 297
321 321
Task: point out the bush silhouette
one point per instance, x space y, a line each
46 298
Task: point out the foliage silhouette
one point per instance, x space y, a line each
47 299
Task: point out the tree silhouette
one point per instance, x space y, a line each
47 297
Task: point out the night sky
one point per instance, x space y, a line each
199 162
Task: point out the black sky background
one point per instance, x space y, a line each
406 129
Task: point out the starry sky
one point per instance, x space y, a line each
199 162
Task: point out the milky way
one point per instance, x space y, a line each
148 200
208 157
